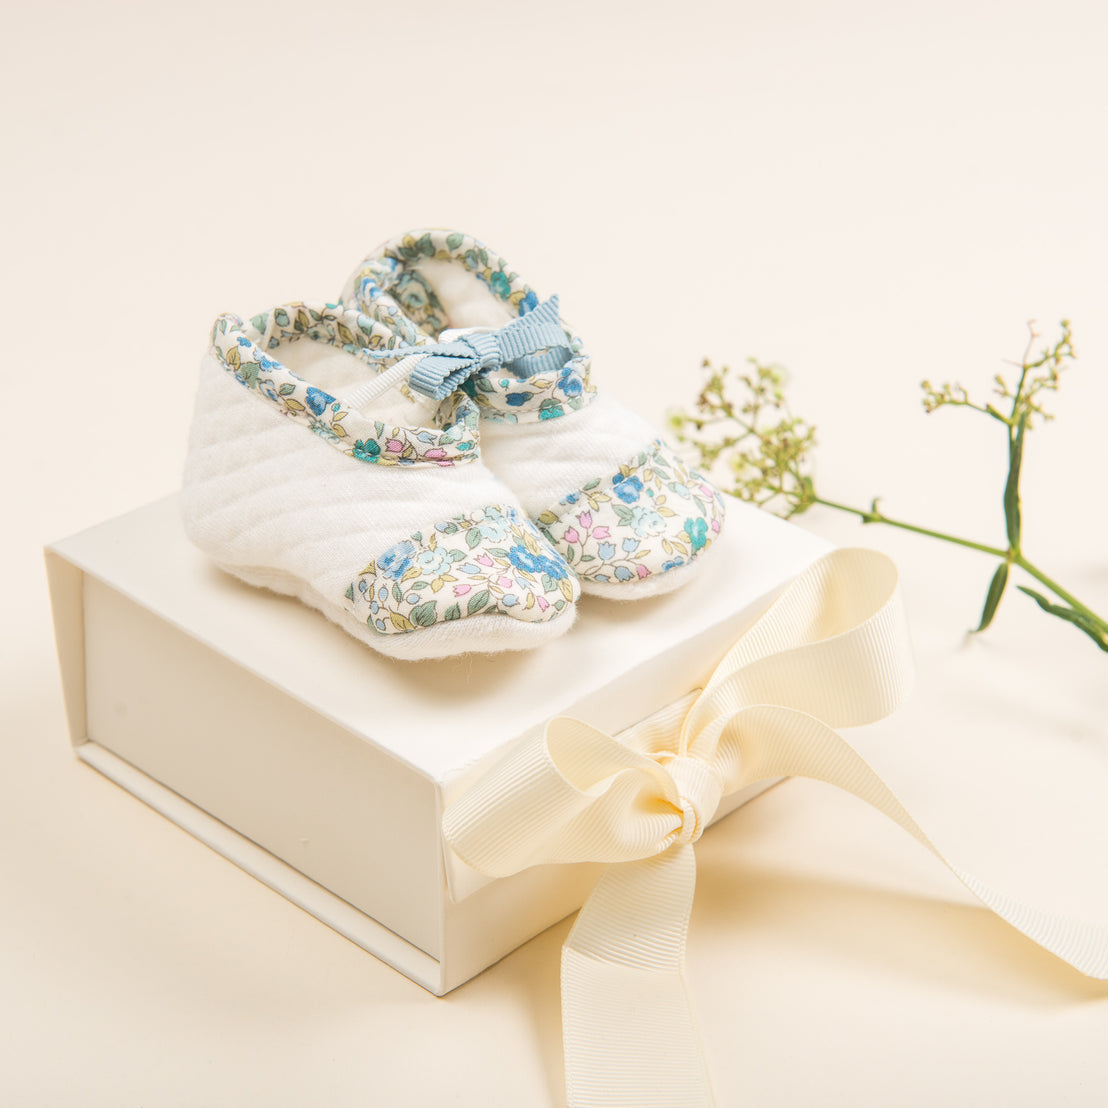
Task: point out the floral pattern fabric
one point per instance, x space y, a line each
504 398
652 516
489 561
240 349
389 286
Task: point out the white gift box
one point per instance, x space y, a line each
323 768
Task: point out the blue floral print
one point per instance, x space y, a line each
396 560
646 522
697 530
317 400
570 382
522 558
627 488
624 528
486 561
238 347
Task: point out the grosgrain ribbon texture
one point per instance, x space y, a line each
832 651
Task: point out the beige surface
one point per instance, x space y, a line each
868 196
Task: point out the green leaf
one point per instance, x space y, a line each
477 602
401 623
473 537
1078 619
423 615
454 240
992 599
452 613
425 245
1012 488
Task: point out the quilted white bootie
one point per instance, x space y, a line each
314 477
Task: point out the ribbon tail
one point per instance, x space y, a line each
628 1026
777 742
438 375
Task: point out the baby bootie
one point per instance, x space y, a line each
612 497
312 476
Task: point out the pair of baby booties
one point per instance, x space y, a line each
429 463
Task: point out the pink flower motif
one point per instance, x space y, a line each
447 464
484 559
585 519
506 582
436 452
542 602
394 446
571 536
715 525
708 491
461 590
601 533
641 570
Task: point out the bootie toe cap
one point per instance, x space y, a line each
639 531
459 575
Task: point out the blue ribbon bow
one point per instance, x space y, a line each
445 365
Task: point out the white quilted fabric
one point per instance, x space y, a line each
276 506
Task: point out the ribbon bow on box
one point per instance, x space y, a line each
832 651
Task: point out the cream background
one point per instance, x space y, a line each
868 193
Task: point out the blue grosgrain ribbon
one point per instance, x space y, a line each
444 366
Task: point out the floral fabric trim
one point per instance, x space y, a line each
239 349
510 399
390 287
490 560
654 515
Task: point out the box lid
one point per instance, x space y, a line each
445 718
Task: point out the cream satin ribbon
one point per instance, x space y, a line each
832 651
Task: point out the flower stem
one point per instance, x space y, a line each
1058 591
870 516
